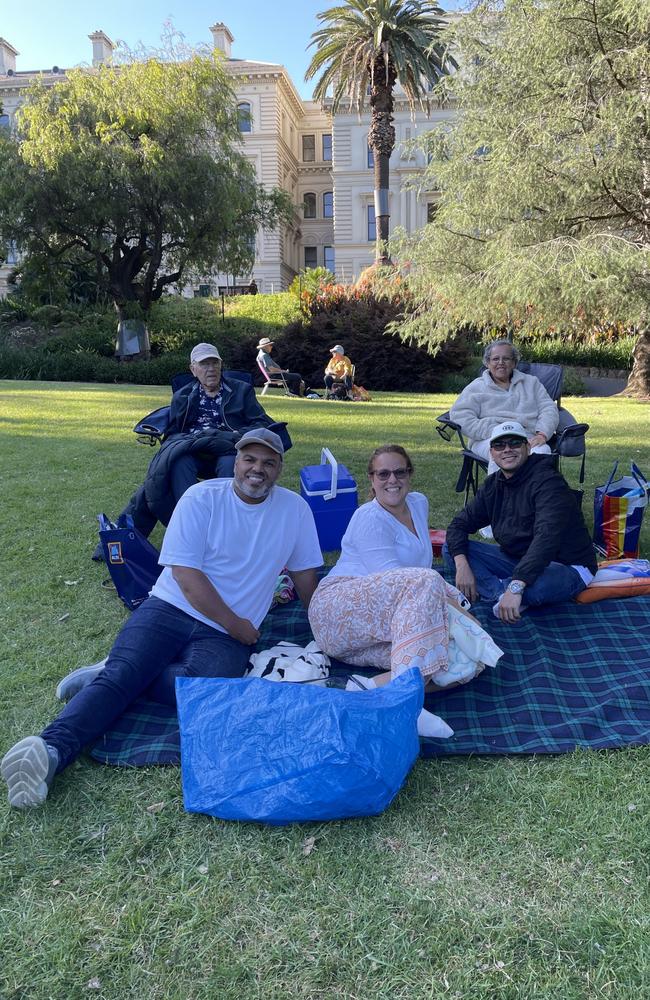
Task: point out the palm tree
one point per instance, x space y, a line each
365 48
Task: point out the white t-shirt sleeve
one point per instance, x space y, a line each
187 531
306 552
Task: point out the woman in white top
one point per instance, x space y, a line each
382 605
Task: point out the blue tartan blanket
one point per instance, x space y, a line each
572 675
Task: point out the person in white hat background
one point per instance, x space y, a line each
271 367
339 369
205 419
503 393
226 543
543 555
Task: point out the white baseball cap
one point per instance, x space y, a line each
203 351
508 429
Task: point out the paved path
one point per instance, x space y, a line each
603 386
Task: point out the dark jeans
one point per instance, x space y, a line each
330 380
294 382
157 644
187 469
493 571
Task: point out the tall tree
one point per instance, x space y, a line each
366 48
544 219
138 170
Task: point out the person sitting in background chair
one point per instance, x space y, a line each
502 393
207 417
294 381
339 369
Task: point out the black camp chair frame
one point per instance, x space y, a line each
568 440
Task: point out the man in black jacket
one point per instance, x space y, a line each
206 418
544 553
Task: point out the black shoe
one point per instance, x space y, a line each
98 554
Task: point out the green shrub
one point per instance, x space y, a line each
310 281
46 316
592 354
572 385
82 338
272 311
357 317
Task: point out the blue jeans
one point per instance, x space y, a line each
157 644
492 569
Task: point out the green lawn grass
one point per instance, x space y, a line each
488 878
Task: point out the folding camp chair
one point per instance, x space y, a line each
273 382
568 440
151 429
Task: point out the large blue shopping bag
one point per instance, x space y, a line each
131 559
283 753
619 506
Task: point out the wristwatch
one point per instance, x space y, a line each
516 587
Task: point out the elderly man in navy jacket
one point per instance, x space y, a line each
544 553
207 417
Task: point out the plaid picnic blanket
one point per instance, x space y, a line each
571 676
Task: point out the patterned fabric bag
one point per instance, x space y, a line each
619 506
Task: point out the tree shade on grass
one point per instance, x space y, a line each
544 217
364 49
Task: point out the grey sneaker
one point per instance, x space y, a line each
68 687
28 768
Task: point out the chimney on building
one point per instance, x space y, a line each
7 57
223 38
102 48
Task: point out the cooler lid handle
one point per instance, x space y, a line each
326 457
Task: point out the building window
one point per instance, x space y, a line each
205 291
370 158
372 226
328 259
5 122
432 210
328 205
311 258
309 206
309 148
244 115
12 253
327 148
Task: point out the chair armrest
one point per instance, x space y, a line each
154 425
571 441
280 428
447 428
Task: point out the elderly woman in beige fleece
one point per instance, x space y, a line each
502 393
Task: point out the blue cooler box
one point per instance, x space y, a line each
331 492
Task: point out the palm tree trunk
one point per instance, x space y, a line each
382 206
381 139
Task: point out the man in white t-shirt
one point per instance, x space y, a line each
226 543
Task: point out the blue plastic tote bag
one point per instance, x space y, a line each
131 559
285 753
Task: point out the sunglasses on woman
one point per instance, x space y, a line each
385 474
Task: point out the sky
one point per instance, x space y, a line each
55 32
